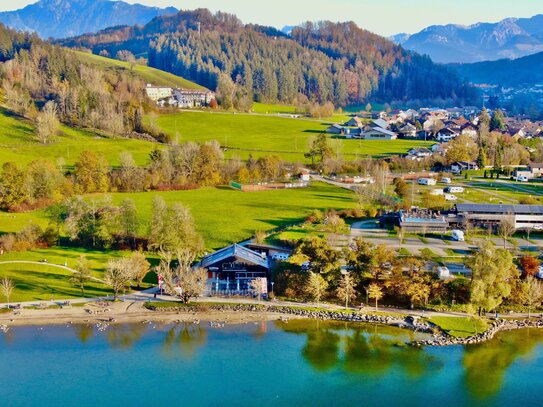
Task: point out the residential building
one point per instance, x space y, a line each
156 93
187 99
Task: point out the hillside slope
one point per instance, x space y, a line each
324 61
146 73
65 18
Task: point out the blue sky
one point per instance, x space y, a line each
384 17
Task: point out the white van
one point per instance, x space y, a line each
443 273
454 190
450 197
522 178
458 235
427 181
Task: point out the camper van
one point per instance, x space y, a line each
436 192
522 178
458 235
446 180
450 197
427 181
454 190
443 273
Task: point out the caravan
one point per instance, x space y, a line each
427 181
458 235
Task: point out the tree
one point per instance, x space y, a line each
316 286
82 274
257 288
506 228
493 273
376 292
128 219
462 148
497 122
530 265
182 281
400 187
139 267
361 257
320 150
531 293
47 124
323 259
12 186
118 275
7 286
91 173
346 289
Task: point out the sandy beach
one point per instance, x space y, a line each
126 312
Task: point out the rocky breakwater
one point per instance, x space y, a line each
408 322
496 326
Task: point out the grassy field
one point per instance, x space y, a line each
17 144
259 135
460 327
146 73
223 215
43 281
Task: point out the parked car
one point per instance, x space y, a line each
443 273
450 197
280 256
522 178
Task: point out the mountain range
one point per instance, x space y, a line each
67 18
510 38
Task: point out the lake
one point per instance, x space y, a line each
299 363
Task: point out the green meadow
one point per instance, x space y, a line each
225 216
258 135
17 144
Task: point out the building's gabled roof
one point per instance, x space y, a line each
235 250
535 165
501 209
384 131
380 123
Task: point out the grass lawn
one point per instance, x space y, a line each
43 281
17 144
460 327
225 216
146 73
260 135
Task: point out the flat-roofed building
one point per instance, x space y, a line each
485 215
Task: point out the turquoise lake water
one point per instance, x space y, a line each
299 363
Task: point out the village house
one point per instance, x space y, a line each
408 130
354 122
445 135
460 166
417 154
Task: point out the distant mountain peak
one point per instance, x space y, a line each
66 18
454 43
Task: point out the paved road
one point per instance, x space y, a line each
331 182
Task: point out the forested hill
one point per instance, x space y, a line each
505 72
341 63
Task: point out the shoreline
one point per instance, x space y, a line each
138 312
